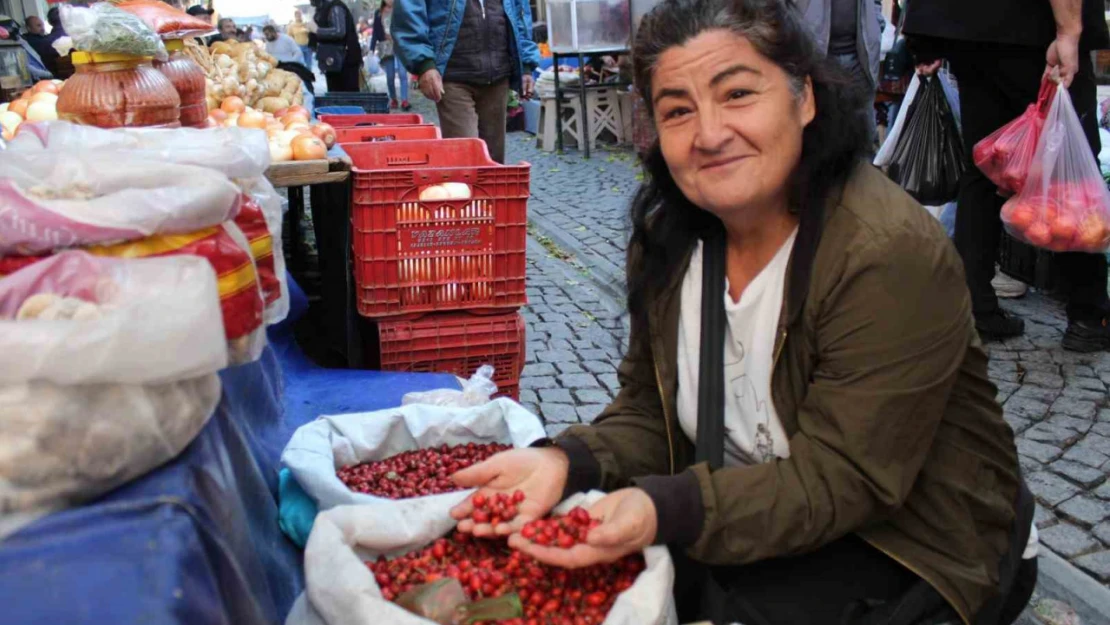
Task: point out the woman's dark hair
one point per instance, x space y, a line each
666 225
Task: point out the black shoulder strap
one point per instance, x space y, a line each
711 366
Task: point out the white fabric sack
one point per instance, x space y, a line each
56 200
89 402
319 448
886 152
341 590
238 153
160 322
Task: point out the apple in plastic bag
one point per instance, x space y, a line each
1039 234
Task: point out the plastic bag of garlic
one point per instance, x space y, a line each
109 371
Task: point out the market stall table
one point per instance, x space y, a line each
197 540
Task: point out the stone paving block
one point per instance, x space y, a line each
538 383
528 396
590 412
581 344
1046 395
543 368
1051 488
579 380
1081 393
1045 433
1043 517
1025 407
1102 532
1005 390
1016 423
1090 382
1079 426
1067 540
1081 474
1040 452
569 367
1101 428
556 355
997 353
560 344
559 413
1097 564
556 396
1051 612
555 429
1104 415
1073 371
592 397
610 381
1103 492
1039 367
1046 380
1086 455
1084 510
1036 356
1074 408
593 354
599 366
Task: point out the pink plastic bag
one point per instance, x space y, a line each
1064 205
1005 156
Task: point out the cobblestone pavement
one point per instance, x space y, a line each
1056 401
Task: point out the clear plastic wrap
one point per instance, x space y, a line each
104 29
475 392
109 371
1006 154
62 199
1064 205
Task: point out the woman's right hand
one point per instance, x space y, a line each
540 473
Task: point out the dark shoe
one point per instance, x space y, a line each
393 105
998 325
405 106
1087 336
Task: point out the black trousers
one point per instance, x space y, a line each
847 582
344 80
996 84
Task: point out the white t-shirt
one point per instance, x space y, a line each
755 434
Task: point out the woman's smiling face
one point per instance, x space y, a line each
730 122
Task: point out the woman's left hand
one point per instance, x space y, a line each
628 525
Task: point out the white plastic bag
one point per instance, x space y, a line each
319 448
239 153
105 29
886 152
341 590
475 392
159 321
107 383
56 200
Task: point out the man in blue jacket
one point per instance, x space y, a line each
468 53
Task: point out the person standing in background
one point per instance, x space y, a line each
999 51
281 46
381 42
851 32
298 30
468 53
338 52
41 42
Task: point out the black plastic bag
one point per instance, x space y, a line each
928 158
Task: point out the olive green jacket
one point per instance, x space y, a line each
880 382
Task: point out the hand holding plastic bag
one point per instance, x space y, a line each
928 157
1006 155
476 391
1064 205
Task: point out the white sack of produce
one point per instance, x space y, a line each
318 449
146 321
341 590
109 370
53 200
238 153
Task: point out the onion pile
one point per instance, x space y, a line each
291 135
37 104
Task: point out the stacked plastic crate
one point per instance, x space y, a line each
439 233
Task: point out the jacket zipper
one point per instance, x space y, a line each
666 417
893 556
443 39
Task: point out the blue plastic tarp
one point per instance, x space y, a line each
195 542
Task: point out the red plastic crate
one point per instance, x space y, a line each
374 134
372 119
457 343
414 256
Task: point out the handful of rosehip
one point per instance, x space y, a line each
500 508
489 568
416 473
564 532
